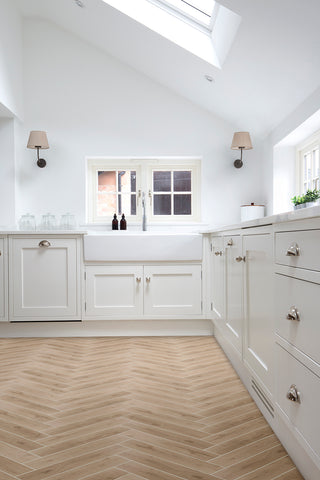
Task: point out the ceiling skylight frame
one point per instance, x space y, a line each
182 13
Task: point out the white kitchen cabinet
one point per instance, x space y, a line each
3 281
258 307
142 291
234 290
297 319
298 391
44 280
114 290
172 290
218 280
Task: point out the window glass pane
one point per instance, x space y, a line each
119 205
125 181
309 171
106 203
133 205
317 163
133 177
182 181
162 182
124 204
162 204
182 204
107 181
305 168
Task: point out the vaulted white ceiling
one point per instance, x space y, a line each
272 66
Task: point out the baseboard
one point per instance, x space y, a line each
110 328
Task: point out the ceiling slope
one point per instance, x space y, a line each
272 66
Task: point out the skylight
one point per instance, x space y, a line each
199 12
204 28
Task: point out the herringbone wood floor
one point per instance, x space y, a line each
130 409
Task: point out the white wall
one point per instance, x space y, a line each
284 181
10 57
91 104
279 153
7 172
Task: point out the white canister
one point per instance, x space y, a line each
251 212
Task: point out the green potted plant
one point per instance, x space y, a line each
299 201
311 197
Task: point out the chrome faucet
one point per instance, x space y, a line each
144 217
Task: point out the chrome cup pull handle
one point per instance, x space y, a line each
138 279
217 254
148 279
293 395
293 314
293 250
44 243
230 242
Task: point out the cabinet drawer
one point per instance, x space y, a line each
304 415
304 296
308 244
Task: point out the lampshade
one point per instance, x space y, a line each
38 139
241 140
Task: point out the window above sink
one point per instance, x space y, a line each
171 186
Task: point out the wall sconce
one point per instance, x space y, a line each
38 140
241 141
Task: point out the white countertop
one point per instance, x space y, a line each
12 231
301 214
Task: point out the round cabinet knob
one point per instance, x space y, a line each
44 243
148 279
230 242
293 314
138 279
293 395
217 254
240 259
293 250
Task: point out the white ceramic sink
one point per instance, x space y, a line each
142 246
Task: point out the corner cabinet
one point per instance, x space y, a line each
44 279
142 291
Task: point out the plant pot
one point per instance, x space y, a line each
313 204
301 205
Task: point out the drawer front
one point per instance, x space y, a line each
308 243
304 415
303 333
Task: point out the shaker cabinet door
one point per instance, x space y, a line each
259 315
113 290
234 290
218 279
172 290
43 281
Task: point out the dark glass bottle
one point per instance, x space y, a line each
123 223
115 223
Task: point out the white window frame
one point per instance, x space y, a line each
309 145
188 14
144 167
